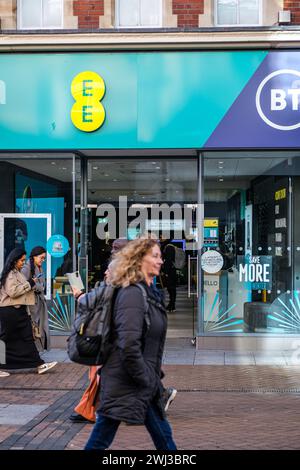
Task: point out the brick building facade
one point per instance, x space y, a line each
186 14
294 8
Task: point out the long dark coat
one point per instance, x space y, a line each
131 377
39 311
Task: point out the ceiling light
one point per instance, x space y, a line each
53 163
221 179
115 179
157 167
95 168
221 163
221 168
167 179
106 174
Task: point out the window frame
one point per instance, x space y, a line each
20 16
139 26
237 25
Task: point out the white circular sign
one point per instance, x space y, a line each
212 261
266 82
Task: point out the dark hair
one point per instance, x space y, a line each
10 262
36 251
118 244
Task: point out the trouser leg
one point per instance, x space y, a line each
103 433
159 430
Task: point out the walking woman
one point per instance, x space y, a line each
16 294
131 388
38 312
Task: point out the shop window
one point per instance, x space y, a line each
138 13
37 205
238 12
40 14
251 253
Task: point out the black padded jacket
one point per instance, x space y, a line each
131 376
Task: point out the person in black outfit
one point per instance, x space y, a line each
170 275
131 389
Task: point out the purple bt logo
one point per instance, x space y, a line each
278 100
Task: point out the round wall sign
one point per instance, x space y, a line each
57 246
212 261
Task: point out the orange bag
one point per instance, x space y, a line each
88 403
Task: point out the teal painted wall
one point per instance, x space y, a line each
152 100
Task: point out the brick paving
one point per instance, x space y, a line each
62 377
217 407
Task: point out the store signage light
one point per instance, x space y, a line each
88 113
277 99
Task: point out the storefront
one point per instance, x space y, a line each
197 147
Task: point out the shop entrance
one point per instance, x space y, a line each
162 193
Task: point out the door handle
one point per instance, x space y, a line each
190 293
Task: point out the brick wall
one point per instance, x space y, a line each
8 17
294 7
88 13
188 12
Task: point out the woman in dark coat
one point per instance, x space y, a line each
131 388
39 311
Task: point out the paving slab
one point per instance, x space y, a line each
19 414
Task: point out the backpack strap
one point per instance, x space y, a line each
146 304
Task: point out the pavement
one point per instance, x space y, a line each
225 400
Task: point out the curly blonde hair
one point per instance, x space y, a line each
125 267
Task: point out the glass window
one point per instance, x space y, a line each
37 209
39 14
139 13
251 250
237 12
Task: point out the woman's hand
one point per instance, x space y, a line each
76 292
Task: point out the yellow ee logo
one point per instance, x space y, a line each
88 113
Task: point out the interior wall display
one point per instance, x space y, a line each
212 261
26 190
281 218
211 232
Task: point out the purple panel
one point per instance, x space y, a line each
266 114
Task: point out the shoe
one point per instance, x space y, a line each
77 418
168 396
45 367
4 374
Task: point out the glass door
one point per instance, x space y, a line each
127 198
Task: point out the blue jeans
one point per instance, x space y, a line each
105 430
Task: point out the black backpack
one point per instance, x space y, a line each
90 340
